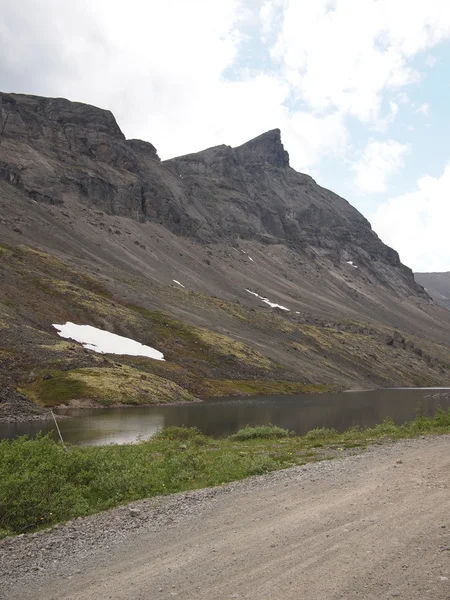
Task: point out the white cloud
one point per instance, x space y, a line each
161 76
424 109
416 224
379 161
346 55
309 138
161 67
381 125
271 17
157 65
430 61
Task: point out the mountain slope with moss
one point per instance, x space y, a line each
39 289
192 256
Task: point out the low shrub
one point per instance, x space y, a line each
263 432
320 433
42 484
180 434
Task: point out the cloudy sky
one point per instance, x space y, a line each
359 88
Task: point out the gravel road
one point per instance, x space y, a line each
373 525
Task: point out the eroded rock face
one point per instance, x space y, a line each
57 151
264 149
54 150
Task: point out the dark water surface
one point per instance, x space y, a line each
221 417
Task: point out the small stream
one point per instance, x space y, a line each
221 417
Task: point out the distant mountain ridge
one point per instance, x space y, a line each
437 286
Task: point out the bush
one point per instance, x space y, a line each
442 418
42 484
192 436
179 434
387 427
35 488
320 433
265 432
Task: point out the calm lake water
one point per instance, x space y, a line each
221 417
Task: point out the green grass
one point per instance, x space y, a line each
41 484
106 386
257 387
262 432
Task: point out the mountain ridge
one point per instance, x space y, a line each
437 285
224 222
279 219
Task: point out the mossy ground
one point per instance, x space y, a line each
41 484
230 387
39 289
106 386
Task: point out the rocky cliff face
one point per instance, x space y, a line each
57 151
249 276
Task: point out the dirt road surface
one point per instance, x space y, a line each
370 526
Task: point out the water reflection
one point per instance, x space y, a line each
226 415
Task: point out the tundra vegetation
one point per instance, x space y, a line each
42 483
310 355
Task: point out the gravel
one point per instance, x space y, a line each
67 549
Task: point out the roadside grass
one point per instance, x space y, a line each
41 484
261 432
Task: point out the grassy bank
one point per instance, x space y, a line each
41 484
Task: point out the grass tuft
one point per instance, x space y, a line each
321 433
261 432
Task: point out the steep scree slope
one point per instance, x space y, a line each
95 228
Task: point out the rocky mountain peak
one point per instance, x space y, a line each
25 115
66 153
143 147
266 148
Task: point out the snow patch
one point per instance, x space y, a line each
350 262
105 342
178 283
267 301
244 252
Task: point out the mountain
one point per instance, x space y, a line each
437 285
284 285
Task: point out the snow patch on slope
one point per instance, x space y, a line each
267 301
105 342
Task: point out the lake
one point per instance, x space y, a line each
221 417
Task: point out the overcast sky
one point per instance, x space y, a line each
359 88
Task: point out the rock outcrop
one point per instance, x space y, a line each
57 151
246 272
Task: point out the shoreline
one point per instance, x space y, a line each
19 415
26 411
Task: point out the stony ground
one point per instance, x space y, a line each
16 408
373 525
